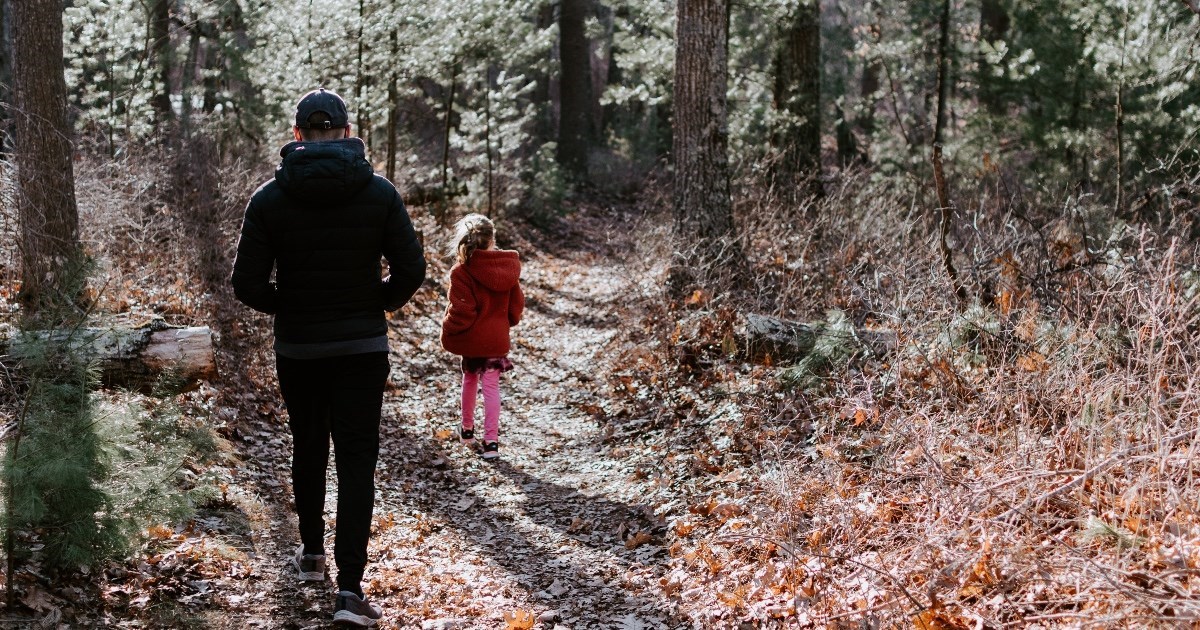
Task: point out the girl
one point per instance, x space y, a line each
485 301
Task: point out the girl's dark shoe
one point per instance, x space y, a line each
466 435
491 450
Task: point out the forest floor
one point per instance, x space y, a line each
569 528
652 477
548 532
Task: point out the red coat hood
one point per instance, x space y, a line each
497 269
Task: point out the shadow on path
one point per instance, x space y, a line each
565 549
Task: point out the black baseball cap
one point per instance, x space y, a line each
323 101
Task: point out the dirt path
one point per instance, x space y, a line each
542 529
557 528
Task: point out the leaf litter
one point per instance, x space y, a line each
625 497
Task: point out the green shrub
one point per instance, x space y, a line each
83 477
55 468
153 447
546 188
835 344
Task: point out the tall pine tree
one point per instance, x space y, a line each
798 89
575 87
45 175
707 250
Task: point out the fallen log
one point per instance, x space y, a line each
418 195
766 339
136 357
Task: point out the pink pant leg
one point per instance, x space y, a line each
491 405
470 387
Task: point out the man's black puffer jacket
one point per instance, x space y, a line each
322 224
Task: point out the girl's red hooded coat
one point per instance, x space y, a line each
485 300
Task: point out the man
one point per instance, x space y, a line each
322 225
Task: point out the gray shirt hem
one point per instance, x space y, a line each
331 348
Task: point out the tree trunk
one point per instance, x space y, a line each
50 249
393 106
444 206
160 52
993 28
947 214
603 69
943 75
542 93
768 340
247 102
6 51
869 92
186 77
135 356
871 83
211 66
847 146
487 133
798 90
417 195
360 87
576 87
1074 120
1119 114
706 243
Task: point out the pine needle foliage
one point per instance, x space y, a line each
153 448
83 477
1097 530
834 346
547 188
54 469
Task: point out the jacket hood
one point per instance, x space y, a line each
497 269
321 172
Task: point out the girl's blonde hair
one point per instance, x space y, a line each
472 232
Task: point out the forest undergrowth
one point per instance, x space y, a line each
1025 457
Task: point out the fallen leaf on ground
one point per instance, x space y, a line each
728 510
703 509
637 540
37 599
518 619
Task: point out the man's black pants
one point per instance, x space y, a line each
340 397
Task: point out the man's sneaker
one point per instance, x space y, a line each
352 610
466 435
491 450
309 568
